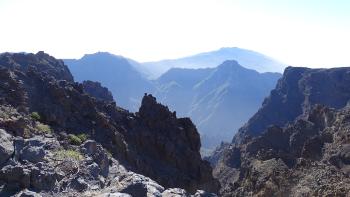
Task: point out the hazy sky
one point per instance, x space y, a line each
313 33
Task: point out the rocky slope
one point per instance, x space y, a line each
295 93
309 157
297 144
59 137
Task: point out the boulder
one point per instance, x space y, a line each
6 146
28 193
138 185
98 154
31 150
44 179
175 192
16 177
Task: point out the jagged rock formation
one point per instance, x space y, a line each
295 93
95 89
60 137
296 144
306 158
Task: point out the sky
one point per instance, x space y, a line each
313 33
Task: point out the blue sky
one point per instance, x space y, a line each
300 33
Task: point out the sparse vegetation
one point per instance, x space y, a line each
68 154
74 140
83 137
43 128
35 116
77 139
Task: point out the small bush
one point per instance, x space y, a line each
75 140
43 128
35 116
68 154
83 137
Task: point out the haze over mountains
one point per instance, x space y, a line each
219 99
247 58
114 72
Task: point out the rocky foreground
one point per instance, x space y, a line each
62 138
297 144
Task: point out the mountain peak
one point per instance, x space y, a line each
103 55
229 64
246 58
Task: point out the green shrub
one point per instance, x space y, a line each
75 140
35 116
68 154
43 128
83 137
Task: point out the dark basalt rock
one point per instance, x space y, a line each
152 142
6 146
301 131
292 159
95 89
41 61
295 93
170 140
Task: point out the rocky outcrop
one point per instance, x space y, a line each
294 95
296 144
282 160
41 61
95 89
170 140
71 138
6 146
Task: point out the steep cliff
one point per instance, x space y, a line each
295 93
309 157
297 144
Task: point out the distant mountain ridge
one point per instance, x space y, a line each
116 73
247 58
212 97
219 100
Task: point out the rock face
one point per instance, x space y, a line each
60 136
6 146
297 144
95 89
306 158
295 93
170 140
